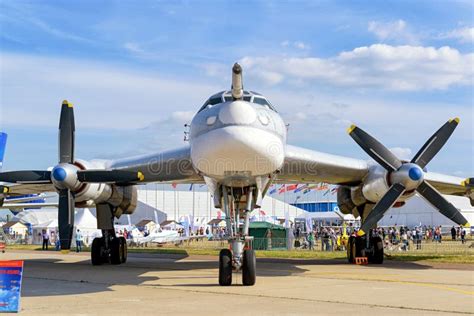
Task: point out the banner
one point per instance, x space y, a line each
11 273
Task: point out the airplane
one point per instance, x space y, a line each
237 147
157 235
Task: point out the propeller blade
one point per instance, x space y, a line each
110 176
66 133
437 200
469 182
65 218
26 176
435 143
387 201
375 149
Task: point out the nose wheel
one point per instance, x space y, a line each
228 264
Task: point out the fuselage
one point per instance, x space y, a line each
236 141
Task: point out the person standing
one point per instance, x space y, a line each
463 234
453 233
311 241
45 236
78 241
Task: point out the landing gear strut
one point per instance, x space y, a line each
365 246
109 248
240 256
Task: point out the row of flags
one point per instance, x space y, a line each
304 188
295 188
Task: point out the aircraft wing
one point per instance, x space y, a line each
305 165
27 188
22 206
173 166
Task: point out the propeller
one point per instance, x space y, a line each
408 176
67 177
66 156
110 176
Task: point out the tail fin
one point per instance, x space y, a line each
3 144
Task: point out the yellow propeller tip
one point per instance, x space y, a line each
66 102
351 128
65 251
360 232
456 119
140 176
6 190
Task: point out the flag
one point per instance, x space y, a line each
282 189
219 214
174 185
306 191
334 190
291 187
322 186
191 187
262 212
327 191
273 189
301 188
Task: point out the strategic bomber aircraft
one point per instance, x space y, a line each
237 146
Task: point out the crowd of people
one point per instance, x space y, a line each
333 238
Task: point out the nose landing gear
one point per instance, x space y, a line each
240 256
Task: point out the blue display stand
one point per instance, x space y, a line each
11 273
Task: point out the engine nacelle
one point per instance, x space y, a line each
344 200
378 182
123 198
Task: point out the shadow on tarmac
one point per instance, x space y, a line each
49 277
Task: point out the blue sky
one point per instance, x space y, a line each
137 71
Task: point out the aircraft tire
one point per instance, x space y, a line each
377 257
96 252
116 252
124 249
249 268
225 267
351 249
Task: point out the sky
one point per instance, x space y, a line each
137 71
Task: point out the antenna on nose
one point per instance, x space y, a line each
237 86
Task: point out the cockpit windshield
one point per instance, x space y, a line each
226 96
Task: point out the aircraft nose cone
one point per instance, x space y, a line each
237 112
415 173
59 174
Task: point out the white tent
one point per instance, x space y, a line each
172 226
86 222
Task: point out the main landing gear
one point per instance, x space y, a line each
108 249
370 247
240 256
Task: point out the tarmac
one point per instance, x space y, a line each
59 284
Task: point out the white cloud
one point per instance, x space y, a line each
397 31
133 47
399 68
296 44
182 116
463 35
105 96
403 153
